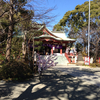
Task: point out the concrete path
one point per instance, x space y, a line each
89 75
53 85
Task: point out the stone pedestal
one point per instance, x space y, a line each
80 60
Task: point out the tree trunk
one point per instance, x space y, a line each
96 52
33 52
24 47
84 47
8 47
10 32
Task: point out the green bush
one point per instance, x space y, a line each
98 65
16 70
0 74
95 65
2 57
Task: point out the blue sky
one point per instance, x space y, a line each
62 6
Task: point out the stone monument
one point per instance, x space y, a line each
80 60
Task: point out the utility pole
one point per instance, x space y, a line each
89 32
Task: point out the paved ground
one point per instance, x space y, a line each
90 75
53 85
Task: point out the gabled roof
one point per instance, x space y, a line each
52 37
57 35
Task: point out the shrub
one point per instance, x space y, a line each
2 56
16 70
84 54
98 64
95 65
0 74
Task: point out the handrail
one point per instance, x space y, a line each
67 58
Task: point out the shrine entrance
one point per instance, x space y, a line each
54 42
47 50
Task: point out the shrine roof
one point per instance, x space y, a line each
58 38
61 35
57 35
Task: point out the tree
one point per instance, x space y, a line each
18 11
77 22
95 43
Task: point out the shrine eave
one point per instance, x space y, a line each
52 37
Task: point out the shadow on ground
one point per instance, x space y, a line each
86 74
53 85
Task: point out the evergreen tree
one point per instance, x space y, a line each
77 23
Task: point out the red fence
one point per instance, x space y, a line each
67 58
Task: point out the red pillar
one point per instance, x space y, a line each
60 51
52 51
99 60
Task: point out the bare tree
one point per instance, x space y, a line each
95 43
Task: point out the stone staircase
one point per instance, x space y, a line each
57 59
61 60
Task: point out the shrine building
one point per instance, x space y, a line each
54 41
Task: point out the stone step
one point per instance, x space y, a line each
61 60
71 64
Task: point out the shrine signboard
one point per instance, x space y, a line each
87 60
